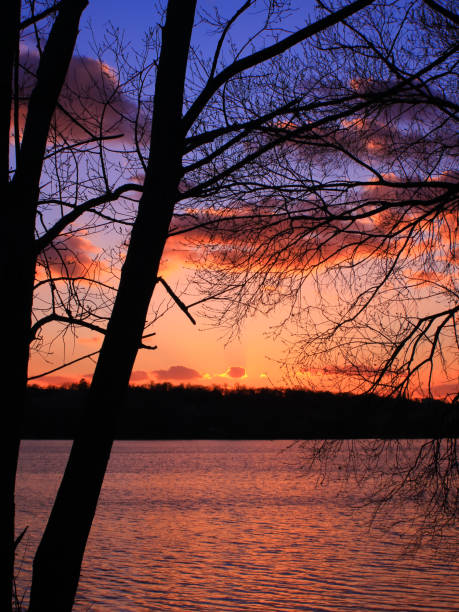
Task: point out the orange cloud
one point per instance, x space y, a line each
72 256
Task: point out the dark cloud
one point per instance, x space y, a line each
177 372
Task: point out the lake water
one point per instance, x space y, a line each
228 526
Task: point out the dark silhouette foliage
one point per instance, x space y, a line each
191 412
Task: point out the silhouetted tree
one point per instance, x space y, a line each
363 249
59 111
235 142
21 188
210 148
362 246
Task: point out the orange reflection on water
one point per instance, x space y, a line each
237 525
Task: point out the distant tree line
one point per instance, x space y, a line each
166 412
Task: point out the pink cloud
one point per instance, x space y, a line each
139 375
177 372
71 256
92 93
263 236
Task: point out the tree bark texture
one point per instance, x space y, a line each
57 564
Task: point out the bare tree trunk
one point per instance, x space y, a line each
13 344
58 560
21 195
18 278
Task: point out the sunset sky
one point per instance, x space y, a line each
186 353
